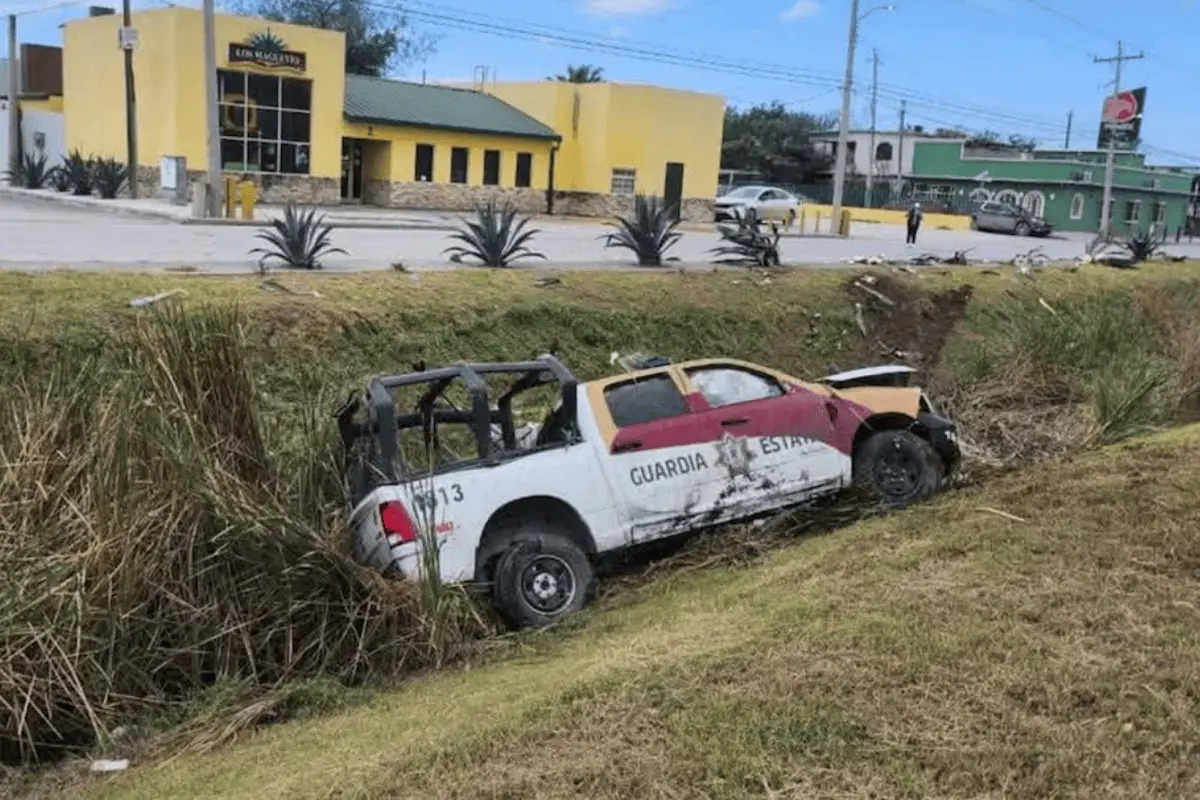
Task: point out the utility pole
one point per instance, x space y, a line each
900 153
1070 117
211 120
130 102
1106 204
14 91
839 173
871 144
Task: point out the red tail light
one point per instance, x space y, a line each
397 525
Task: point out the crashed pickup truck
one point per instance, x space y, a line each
526 511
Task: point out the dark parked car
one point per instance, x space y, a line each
1005 218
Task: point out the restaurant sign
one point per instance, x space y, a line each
266 49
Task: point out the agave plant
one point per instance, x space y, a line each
109 176
79 170
747 244
28 170
60 179
495 238
1142 245
298 239
649 233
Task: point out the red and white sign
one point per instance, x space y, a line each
1121 107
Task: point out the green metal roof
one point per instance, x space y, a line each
386 102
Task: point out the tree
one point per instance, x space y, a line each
584 73
775 142
992 140
379 40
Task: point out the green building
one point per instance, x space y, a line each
1064 186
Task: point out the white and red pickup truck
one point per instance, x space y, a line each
625 460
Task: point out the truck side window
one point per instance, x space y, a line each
644 400
725 386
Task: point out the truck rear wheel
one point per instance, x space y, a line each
899 466
541 578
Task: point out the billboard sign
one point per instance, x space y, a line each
1121 120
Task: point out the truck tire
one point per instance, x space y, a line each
899 466
541 578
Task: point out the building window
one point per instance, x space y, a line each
265 123
978 196
1160 212
1087 176
458 165
883 152
524 169
1133 210
491 167
623 181
1077 206
423 164
1007 196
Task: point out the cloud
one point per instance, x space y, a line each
629 7
801 10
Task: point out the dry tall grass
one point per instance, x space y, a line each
154 546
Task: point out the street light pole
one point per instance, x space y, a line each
212 131
839 169
14 103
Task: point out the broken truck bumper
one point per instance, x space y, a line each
943 435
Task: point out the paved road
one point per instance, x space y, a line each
40 236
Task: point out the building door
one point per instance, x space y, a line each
352 170
673 186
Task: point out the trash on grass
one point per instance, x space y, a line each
141 302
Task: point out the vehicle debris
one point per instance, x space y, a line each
142 302
674 448
109 765
273 285
861 283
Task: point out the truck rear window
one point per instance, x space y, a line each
644 400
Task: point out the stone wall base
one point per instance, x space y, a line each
593 204
459 197
275 189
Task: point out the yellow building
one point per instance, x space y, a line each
292 121
619 139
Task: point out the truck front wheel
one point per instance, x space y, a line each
541 578
900 466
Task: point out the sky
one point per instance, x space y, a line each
1011 66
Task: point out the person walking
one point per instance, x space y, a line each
914 223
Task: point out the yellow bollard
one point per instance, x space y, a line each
230 198
800 223
248 197
845 226
817 223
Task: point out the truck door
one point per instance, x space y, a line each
659 453
774 447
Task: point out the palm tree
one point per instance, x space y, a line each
584 73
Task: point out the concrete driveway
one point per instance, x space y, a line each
40 236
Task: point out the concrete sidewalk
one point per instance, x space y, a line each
160 209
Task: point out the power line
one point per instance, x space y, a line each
708 62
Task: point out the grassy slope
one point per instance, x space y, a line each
941 652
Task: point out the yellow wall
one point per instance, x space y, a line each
52 104
626 126
170 81
887 216
403 151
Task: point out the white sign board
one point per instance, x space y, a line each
167 173
127 38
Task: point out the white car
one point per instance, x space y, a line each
767 203
616 463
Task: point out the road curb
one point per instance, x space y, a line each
82 203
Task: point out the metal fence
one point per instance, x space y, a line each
883 195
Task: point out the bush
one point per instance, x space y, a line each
747 244
649 233
79 173
1142 245
28 170
109 175
495 238
299 239
156 542
60 179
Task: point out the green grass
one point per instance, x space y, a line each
945 651
156 561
